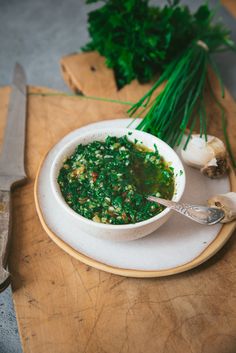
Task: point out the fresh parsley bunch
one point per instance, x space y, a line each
139 40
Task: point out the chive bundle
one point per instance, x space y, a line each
171 112
180 105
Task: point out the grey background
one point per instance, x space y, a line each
37 34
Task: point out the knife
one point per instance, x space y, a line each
12 169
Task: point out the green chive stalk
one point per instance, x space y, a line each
181 105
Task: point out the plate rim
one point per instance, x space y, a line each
219 241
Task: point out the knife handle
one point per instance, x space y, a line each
5 230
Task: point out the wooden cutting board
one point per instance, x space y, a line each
64 306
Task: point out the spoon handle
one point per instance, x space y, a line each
200 214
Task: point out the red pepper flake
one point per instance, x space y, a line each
124 216
94 176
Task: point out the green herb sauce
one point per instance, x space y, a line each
108 181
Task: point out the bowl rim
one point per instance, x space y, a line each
59 197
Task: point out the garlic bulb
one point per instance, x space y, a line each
227 203
209 156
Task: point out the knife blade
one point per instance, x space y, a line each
12 168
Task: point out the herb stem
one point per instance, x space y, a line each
44 94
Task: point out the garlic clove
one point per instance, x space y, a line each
217 146
209 156
227 203
197 154
215 168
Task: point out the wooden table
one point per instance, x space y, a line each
64 306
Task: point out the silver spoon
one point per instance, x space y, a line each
200 214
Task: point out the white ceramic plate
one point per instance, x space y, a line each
173 245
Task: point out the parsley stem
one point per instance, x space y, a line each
80 96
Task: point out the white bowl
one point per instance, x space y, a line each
127 231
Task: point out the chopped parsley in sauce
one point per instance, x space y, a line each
108 181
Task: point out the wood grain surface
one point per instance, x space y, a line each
64 306
230 6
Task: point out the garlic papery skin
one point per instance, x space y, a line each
227 203
209 156
217 146
215 168
197 153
